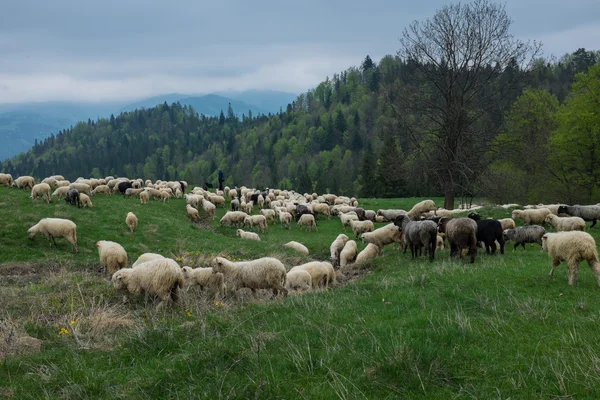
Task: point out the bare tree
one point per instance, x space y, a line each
467 65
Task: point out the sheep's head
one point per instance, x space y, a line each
545 242
505 235
239 231
119 279
442 224
186 272
516 214
562 209
549 218
475 216
218 264
32 232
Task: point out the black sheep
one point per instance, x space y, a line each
254 198
72 197
182 187
489 231
302 209
123 186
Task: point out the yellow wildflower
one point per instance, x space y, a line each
63 331
219 304
72 323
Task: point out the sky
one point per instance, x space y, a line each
121 50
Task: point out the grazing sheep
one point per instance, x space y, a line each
489 232
370 215
345 218
572 247
390 215
217 200
507 223
268 214
566 224
161 277
232 194
235 218
371 251
6 180
348 253
247 235
235 205
206 278
131 221
319 272
309 221
247 207
387 234
263 273
336 247
53 228
144 197
60 192
439 245
299 247
85 200
285 218
72 197
321 208
41 190
24 182
209 208
256 220
525 234
300 210
101 189
418 234
461 234
421 208
531 217
82 188
360 227
131 192
192 213
299 279
146 257
587 213
112 255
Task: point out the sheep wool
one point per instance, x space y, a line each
192 213
85 200
308 220
206 278
299 280
262 273
572 247
53 228
41 190
336 247
371 251
319 272
299 247
247 235
146 257
387 234
565 224
131 221
348 253
112 255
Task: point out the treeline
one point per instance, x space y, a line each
344 136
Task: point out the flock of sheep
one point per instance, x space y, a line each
424 229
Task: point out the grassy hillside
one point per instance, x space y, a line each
394 328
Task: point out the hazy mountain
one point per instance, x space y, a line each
269 100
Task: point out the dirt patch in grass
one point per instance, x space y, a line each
29 268
14 342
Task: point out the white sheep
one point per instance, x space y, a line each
53 228
144 197
6 180
531 217
421 208
572 247
256 220
263 273
385 235
336 247
146 257
247 235
247 207
299 247
371 251
217 200
345 218
507 223
235 218
85 200
285 218
161 277
24 182
112 255
206 278
322 208
192 213
101 189
268 214
565 224
60 192
318 271
360 227
348 253
82 188
131 221
41 190
299 280
308 220
209 208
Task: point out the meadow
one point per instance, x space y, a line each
393 328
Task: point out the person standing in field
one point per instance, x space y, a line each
221 179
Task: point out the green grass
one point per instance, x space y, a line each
400 328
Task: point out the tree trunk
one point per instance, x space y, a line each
449 199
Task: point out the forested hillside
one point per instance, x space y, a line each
346 136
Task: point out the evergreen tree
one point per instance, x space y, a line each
222 118
367 172
367 63
390 172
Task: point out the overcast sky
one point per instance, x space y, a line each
90 50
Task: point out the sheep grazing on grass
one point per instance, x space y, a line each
461 234
192 213
572 247
144 197
131 192
299 247
131 221
387 234
101 189
112 255
531 217
346 218
247 235
319 273
72 197
285 218
348 253
217 200
421 208
566 224
360 227
24 182
371 251
321 208
299 280
263 273
268 214
418 234
209 208
507 223
336 247
207 279
53 228
85 200
60 192
41 190
233 218
525 234
308 220
82 188
6 180
235 205
390 215
256 220
489 231
161 277
247 207
587 213
146 257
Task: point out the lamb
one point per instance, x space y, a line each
209 208
263 273
256 220
461 233
439 244
206 278
507 223
319 272
587 213
285 218
360 227
489 232
131 221
390 215
268 214
525 234
348 253
421 208
101 189
572 247
41 190
235 218
299 279
299 247
53 228
72 197
60 192
6 180
531 217
144 197
23 182
247 235
566 224
385 235
346 218
112 255
309 221
336 247
418 234
371 251
146 257
161 277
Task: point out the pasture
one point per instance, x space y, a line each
393 328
